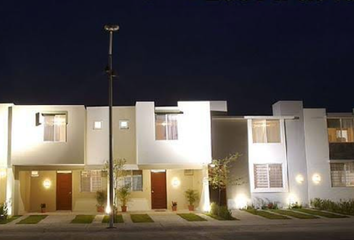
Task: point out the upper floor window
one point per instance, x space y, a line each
97 125
123 124
266 131
91 181
268 176
340 130
54 127
166 127
342 174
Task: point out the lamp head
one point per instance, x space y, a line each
111 28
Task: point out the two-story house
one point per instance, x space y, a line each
54 155
293 156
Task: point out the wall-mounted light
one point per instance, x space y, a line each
2 173
176 182
316 178
299 179
47 184
34 174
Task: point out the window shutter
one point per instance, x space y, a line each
261 176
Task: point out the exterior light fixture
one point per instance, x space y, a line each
176 182
292 199
47 184
241 201
299 179
316 178
212 165
2 173
108 209
34 174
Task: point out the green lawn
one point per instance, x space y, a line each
191 217
320 213
219 218
117 219
10 219
265 214
294 214
32 219
83 219
141 218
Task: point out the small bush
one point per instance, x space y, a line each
343 207
295 206
3 211
221 211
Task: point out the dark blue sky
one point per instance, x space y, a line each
250 53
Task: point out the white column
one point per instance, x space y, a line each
205 198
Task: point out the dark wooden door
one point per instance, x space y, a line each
64 191
158 190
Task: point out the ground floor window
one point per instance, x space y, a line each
342 174
91 181
132 179
268 176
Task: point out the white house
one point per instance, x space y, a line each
294 156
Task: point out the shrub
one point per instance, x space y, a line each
220 211
3 211
101 197
295 206
123 195
344 207
192 196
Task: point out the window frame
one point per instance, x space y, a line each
269 189
94 125
41 121
166 126
344 172
340 129
130 176
266 132
92 190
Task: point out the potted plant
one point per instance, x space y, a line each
123 196
174 206
43 207
192 196
101 197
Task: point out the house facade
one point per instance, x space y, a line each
54 155
291 157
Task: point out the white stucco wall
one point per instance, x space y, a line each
28 147
317 153
295 144
194 136
4 126
268 153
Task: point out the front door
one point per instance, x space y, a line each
158 190
64 190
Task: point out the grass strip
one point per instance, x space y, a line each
10 219
141 218
293 214
219 218
191 217
320 213
32 219
265 214
83 219
117 219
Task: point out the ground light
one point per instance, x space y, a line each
111 75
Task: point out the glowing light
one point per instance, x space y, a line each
97 125
108 209
299 179
176 182
206 207
212 165
47 184
34 174
241 201
2 173
316 178
292 199
123 124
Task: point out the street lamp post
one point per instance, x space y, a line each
111 75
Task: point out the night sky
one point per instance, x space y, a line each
250 53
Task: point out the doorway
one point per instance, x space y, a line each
64 191
158 190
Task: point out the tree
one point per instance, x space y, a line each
219 173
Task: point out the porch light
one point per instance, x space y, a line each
176 182
299 179
2 173
47 184
316 178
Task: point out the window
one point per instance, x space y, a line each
54 127
340 130
268 176
97 125
266 131
166 127
123 124
91 181
134 179
342 174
